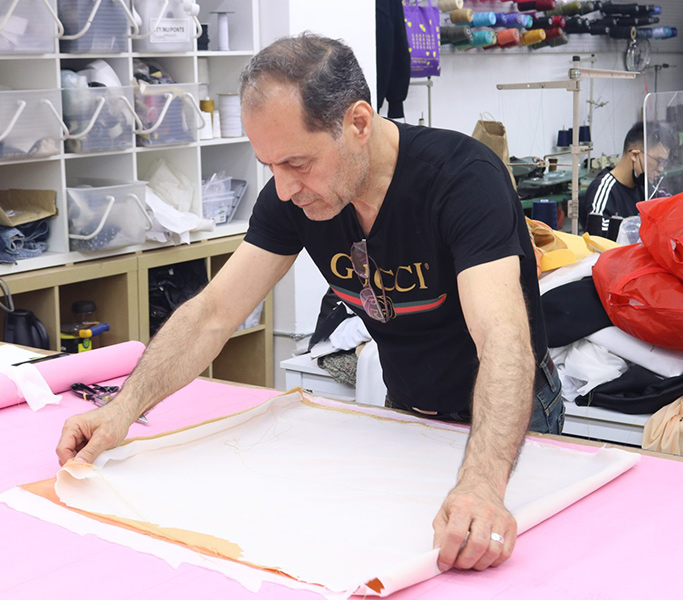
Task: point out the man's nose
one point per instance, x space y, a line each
287 183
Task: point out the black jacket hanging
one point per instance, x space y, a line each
393 56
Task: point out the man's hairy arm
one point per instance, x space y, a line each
496 316
181 350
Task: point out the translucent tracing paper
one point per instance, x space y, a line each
338 497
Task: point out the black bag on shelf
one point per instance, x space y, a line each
170 286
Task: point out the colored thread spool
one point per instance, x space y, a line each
584 134
501 19
508 38
539 5
534 36
636 21
598 29
577 25
528 21
622 33
484 19
571 8
662 33
542 23
564 138
449 5
483 37
552 33
516 20
609 8
610 22
558 41
546 211
559 21
463 15
587 7
456 35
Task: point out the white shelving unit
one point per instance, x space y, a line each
196 159
117 278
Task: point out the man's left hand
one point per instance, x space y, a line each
473 529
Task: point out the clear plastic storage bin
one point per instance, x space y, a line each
30 124
167 26
169 114
105 214
93 26
27 27
99 119
221 197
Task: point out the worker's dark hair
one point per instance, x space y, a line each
657 133
325 71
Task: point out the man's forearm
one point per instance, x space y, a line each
501 410
180 351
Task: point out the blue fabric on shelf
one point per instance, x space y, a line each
24 241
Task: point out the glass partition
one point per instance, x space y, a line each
663 117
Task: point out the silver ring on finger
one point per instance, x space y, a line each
496 537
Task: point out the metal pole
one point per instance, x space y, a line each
573 206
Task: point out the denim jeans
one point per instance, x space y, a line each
547 415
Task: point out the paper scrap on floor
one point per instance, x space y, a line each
309 488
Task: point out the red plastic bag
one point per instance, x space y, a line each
640 296
661 231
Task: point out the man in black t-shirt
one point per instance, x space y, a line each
615 191
421 234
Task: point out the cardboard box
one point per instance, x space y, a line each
23 206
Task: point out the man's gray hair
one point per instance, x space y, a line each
325 72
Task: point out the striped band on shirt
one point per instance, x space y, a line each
602 195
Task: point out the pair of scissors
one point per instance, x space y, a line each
100 395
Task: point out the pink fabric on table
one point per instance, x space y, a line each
117 360
619 542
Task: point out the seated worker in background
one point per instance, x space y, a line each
420 232
615 191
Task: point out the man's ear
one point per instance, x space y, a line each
358 121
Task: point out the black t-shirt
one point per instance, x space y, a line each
450 206
607 197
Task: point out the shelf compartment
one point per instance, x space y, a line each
169 114
106 214
240 360
27 27
93 26
42 303
166 27
30 124
109 294
100 119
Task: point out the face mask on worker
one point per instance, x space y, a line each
639 179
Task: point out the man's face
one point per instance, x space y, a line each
656 159
319 173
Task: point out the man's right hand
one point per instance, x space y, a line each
87 435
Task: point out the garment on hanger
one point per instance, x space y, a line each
393 57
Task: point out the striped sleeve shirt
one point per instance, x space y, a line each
608 197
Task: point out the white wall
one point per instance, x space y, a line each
297 296
467 89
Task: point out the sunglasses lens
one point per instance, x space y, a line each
371 304
360 260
